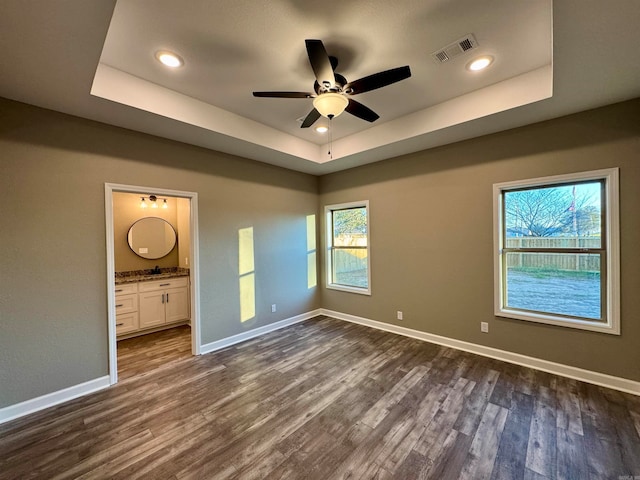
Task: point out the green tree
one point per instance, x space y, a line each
350 221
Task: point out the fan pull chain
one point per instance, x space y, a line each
330 137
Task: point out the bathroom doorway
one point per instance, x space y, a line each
152 277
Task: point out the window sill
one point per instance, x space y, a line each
594 326
345 288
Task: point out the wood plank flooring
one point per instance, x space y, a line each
146 353
326 399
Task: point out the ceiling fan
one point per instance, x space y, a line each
332 91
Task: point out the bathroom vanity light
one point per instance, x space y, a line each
154 202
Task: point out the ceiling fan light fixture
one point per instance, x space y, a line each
169 59
330 104
480 63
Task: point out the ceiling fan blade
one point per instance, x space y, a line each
311 118
377 80
320 63
283 94
360 111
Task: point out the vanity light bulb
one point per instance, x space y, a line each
164 205
143 204
154 204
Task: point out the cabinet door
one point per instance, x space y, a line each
151 309
177 304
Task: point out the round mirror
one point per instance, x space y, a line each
151 238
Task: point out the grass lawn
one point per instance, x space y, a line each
555 291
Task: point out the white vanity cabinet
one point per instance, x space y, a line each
126 308
163 301
144 307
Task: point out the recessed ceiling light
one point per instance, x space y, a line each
322 129
169 59
480 63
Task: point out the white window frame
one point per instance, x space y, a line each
328 210
612 255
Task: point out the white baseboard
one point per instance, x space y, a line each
51 399
601 379
256 332
622 384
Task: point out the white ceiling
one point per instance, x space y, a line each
96 60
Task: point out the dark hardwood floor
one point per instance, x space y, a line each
326 399
146 353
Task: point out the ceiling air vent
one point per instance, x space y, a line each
460 46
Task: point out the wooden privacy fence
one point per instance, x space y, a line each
582 262
349 260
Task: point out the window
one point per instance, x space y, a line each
348 247
557 254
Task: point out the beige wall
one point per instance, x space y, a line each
432 245
127 211
431 237
53 280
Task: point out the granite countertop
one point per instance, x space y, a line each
135 276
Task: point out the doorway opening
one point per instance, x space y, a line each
152 277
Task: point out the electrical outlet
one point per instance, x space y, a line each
399 315
273 308
484 327
186 260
